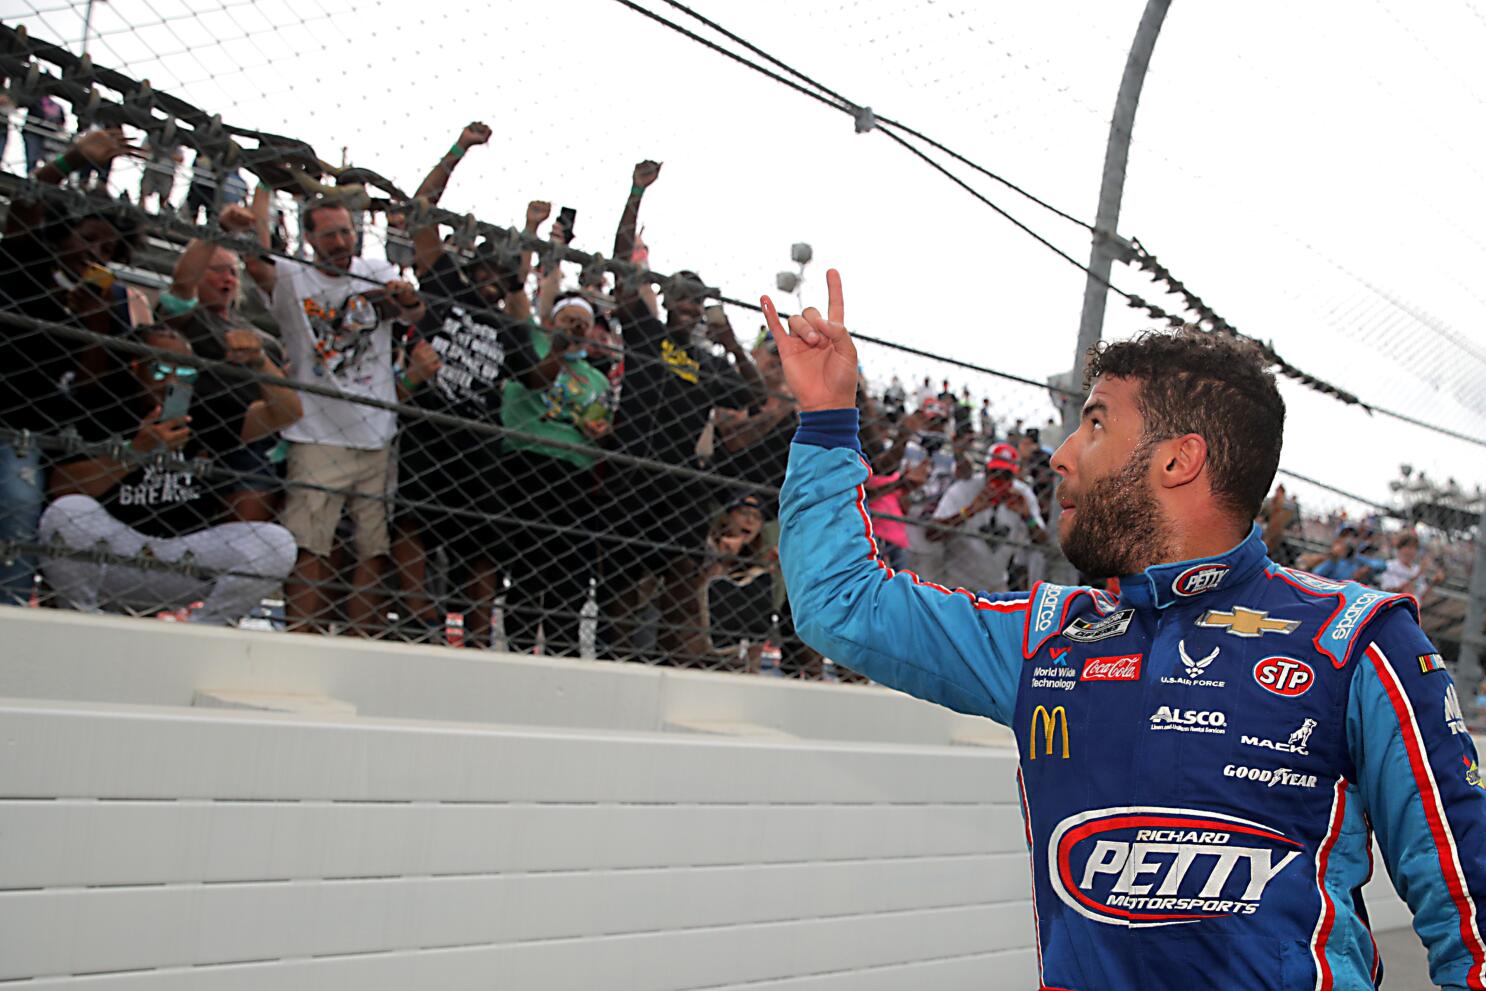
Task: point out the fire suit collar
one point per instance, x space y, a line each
1164 585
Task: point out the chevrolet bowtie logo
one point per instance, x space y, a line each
1243 622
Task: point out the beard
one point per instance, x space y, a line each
1118 528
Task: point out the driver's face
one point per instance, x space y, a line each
1110 430
1112 523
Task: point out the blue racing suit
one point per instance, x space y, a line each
1203 761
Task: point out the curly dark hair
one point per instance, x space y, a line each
1213 385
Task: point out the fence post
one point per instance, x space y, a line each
1473 633
1111 191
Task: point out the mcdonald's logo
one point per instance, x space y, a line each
1048 721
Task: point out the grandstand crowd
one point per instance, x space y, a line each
455 442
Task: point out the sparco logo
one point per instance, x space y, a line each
1125 667
1284 676
1047 609
1198 579
1188 720
1355 611
1140 866
1271 776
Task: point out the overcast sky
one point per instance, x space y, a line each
1311 170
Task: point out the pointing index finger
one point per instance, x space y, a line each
836 305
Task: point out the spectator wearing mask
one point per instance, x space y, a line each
562 406
336 316
996 515
672 381
54 268
475 323
203 302
168 508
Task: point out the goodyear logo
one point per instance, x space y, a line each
1049 721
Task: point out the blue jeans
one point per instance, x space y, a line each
21 498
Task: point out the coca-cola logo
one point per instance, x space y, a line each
1198 579
1122 667
1144 866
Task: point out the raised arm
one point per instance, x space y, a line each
260 265
948 647
427 245
518 303
644 175
96 148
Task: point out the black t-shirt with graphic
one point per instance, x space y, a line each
479 347
174 494
669 389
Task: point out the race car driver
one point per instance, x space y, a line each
1204 761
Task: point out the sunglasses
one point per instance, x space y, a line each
162 370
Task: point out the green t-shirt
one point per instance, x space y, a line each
579 394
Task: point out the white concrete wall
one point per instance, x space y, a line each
429 818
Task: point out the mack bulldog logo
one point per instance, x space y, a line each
1145 866
1115 624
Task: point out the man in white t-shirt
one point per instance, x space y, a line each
336 317
997 516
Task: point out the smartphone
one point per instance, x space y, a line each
566 216
177 401
715 316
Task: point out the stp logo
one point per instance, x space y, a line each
1198 579
1284 676
1144 866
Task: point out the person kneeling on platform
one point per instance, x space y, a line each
166 507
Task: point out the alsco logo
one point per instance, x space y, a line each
1048 722
1143 866
1198 579
1284 676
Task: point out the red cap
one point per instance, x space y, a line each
1005 458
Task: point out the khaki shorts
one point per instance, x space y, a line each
312 514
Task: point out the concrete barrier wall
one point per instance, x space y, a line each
414 818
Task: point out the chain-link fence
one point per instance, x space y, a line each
325 404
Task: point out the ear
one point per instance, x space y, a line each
1181 460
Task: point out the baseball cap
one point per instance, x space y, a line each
1003 457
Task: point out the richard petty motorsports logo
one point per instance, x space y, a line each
1144 866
